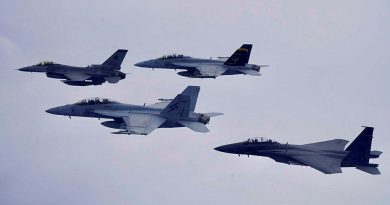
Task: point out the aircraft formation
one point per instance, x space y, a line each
327 157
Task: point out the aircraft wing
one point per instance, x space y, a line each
337 144
136 123
77 76
205 69
324 164
142 124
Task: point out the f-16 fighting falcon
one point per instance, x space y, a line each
327 157
207 68
83 76
142 120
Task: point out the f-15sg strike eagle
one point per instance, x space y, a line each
142 120
83 76
327 157
207 68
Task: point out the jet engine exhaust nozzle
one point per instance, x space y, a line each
205 119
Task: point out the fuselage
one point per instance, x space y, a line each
279 152
92 109
100 70
178 63
96 74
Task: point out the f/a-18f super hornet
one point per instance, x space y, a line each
327 157
207 68
142 120
83 76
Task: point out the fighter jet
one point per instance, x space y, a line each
83 76
327 157
142 120
207 68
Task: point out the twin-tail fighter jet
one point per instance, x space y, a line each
83 76
142 120
208 68
327 157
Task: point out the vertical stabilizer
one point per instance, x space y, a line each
241 56
359 149
116 59
193 92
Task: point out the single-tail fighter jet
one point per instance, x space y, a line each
327 157
83 76
142 120
207 68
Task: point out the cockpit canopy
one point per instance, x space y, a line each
262 140
94 101
44 63
174 56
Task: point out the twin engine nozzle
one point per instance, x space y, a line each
256 68
205 119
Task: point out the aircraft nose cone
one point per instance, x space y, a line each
229 148
218 149
54 110
144 64
61 110
25 69
140 64
221 148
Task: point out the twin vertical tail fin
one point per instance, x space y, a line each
360 152
116 59
241 56
359 149
182 104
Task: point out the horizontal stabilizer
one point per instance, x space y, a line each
213 114
375 154
370 170
337 144
250 72
195 126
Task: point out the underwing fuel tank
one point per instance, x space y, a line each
55 75
192 75
78 83
112 124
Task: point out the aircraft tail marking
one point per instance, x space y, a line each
241 56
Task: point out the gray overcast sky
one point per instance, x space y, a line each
330 75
